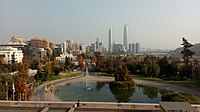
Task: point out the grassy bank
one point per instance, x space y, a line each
186 83
65 75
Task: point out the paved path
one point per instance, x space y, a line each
46 96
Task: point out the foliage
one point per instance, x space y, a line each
68 64
152 69
21 78
48 70
187 56
7 68
5 77
55 67
169 70
33 64
196 71
80 61
122 75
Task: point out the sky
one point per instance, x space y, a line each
153 23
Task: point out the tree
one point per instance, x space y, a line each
21 78
68 63
40 73
80 61
123 75
55 67
152 69
187 56
5 77
48 70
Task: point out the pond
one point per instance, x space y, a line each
101 92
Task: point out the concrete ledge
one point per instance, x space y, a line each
85 105
45 109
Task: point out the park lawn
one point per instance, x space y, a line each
54 78
191 84
186 83
64 75
147 78
69 74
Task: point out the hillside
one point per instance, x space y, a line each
195 48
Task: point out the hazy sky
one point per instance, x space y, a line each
153 23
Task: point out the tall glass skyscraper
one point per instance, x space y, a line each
110 40
125 36
138 47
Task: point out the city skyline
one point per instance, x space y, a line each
154 24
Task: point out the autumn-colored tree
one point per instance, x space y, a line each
80 61
21 79
55 67
123 75
40 75
48 70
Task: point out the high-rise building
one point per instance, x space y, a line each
110 40
69 43
125 36
133 48
138 47
130 48
93 47
97 43
75 46
117 47
64 47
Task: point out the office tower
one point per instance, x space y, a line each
69 43
125 36
93 47
64 47
133 48
117 47
97 43
110 40
138 47
75 46
130 48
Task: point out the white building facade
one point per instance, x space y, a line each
62 57
10 54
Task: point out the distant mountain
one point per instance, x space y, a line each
195 48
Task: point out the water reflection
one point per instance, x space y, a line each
150 92
123 95
102 93
99 85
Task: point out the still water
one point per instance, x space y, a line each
101 92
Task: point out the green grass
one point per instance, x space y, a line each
187 83
190 84
69 74
104 74
147 78
54 78
64 75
